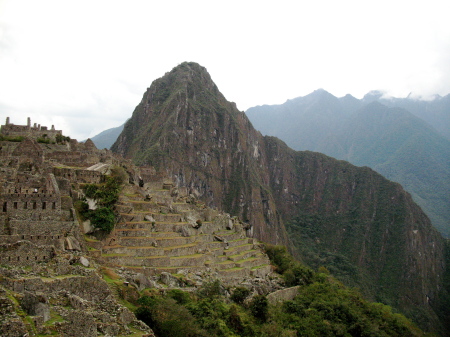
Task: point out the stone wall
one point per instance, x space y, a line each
56 240
283 295
24 253
78 175
33 206
40 227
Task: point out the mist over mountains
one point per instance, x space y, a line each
406 140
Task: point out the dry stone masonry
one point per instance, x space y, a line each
51 263
49 285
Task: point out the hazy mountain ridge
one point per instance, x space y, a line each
391 140
106 138
186 128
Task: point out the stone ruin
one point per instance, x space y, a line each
44 261
162 232
28 131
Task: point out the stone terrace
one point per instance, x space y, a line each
162 231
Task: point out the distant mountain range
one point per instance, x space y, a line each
406 140
106 138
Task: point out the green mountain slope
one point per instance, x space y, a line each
392 141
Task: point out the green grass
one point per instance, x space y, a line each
226 262
232 269
89 239
242 253
246 260
54 317
257 267
187 256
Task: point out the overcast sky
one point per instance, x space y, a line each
84 65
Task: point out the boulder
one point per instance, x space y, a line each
72 244
84 261
168 279
185 231
229 226
88 228
141 282
149 218
36 304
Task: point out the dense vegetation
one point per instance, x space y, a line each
323 307
106 195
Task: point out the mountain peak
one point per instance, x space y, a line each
373 95
320 93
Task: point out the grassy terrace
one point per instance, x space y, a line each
141 247
181 246
149 257
242 253
260 266
114 254
247 260
226 262
249 245
232 269
193 256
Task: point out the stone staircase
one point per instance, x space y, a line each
158 232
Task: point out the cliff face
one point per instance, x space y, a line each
336 211
185 127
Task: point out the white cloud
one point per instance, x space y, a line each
84 65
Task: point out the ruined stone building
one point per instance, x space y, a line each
28 131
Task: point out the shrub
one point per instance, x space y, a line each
180 296
211 289
240 294
298 275
279 256
167 318
62 139
259 307
103 218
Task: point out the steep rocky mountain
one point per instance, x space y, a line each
391 140
184 127
106 138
